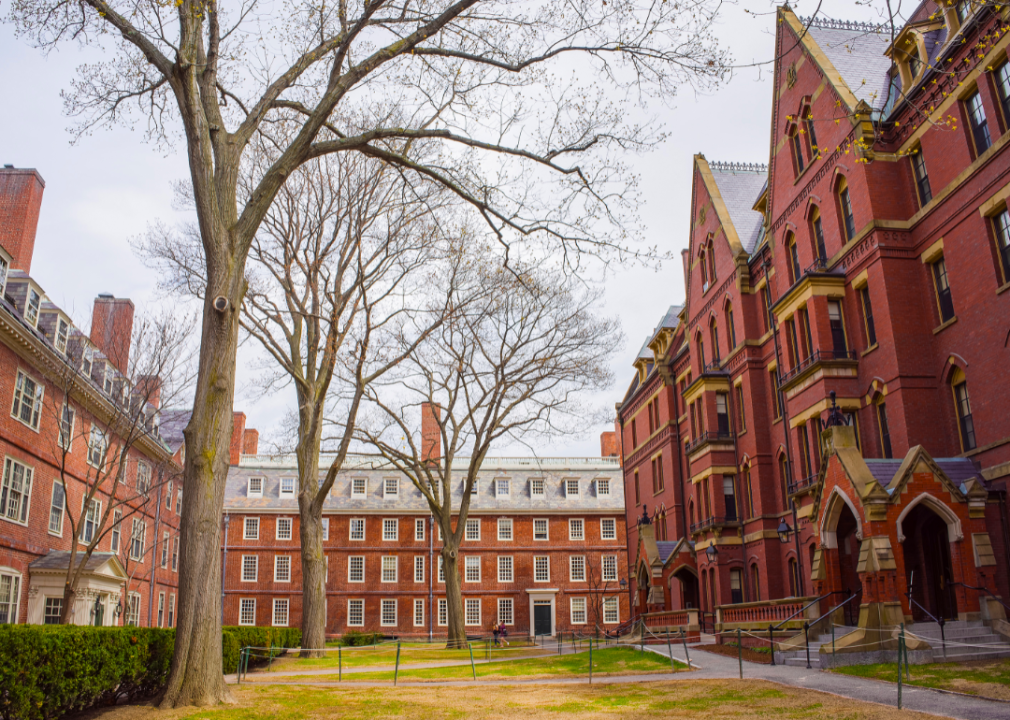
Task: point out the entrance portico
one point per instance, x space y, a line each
543 613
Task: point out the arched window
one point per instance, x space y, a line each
755 577
690 511
817 232
794 577
750 491
848 222
962 403
793 258
799 162
885 430
704 270
714 334
730 327
701 352
784 477
711 262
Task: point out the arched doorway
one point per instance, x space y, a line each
928 568
688 582
846 533
642 589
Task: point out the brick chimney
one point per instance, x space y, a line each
149 388
237 438
431 435
251 442
685 255
608 444
112 329
20 202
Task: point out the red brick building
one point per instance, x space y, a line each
869 261
66 393
544 549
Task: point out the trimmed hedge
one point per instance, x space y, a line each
234 638
356 638
49 670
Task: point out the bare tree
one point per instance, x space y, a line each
532 148
113 417
340 291
509 365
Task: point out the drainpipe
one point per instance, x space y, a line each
739 509
154 548
431 573
224 563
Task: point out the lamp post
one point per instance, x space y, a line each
784 532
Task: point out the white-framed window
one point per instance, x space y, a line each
32 306
67 417
504 529
611 611
576 529
175 554
357 528
89 523
388 615
359 487
161 609
247 611
506 612
472 614
53 611
536 486
389 569
602 487
10 596
472 529
98 445
282 568
62 335
419 568
326 528
540 531
418 613
541 568
254 487
356 569
168 496
501 487
608 571
28 396
16 493
571 488
3 275
143 478
608 529
440 533
390 487
472 565
250 568
164 549
390 529
355 613
577 568
132 609
283 528
474 487
443 612
441 569
87 360
138 537
117 531
287 487
251 528
171 610
419 529
57 507
178 500
505 574
280 612
578 610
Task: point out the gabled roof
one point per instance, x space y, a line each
173 422
59 560
740 185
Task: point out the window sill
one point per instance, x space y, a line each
741 434
805 170
944 326
868 350
1003 288
777 420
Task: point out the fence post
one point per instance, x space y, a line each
642 627
669 651
739 652
943 638
901 640
771 642
904 652
469 646
687 656
590 660
832 643
396 670
238 670
340 665
270 660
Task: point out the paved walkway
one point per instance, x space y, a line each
716 667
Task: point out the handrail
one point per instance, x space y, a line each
986 591
843 602
713 367
796 486
814 358
803 609
707 437
940 622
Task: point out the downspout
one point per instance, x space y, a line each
627 525
154 549
431 573
739 509
224 562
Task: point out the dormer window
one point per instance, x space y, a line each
62 334
287 487
359 487
255 488
963 10
907 52
107 382
571 488
32 306
87 360
914 63
391 487
4 265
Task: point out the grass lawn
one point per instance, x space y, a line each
986 677
608 661
699 700
409 653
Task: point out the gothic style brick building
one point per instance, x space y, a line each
67 393
869 261
544 549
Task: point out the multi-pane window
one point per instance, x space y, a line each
357 528
965 422
822 250
505 573
578 608
501 487
282 568
504 529
98 443
602 487
506 613
168 496
391 487
3 275
1001 224
171 610
419 529
418 613
611 611
885 432
845 206
358 487
117 521
473 487
247 611
923 190
722 412
1002 88
571 488
837 328
963 10
143 478
576 529
419 568
283 528
27 401
178 501
979 125
89 523
356 569
472 614
175 554
133 610
326 528
280 618
53 610
944 301
537 486
251 529
165 542
67 415
355 613
390 529
541 568
441 569
608 529
472 530
137 538
389 569
57 506
871 330
161 609
793 256
387 617
287 487
609 568
443 612
577 568
798 159
540 530
472 565
10 597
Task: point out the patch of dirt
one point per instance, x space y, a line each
995 691
731 651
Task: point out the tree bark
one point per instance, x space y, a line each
313 558
453 596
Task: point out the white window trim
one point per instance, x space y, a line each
281 492
350 529
419 524
326 528
143 539
382 613
512 569
26 498
355 600
602 494
480 612
245 529
247 600
69 446
617 602
547 525
395 524
442 603
571 535
52 495
418 602
603 564
352 557
255 578
571 568
466 530
16 600
277 565
613 521
287 613
40 390
497 486
422 568
533 482
83 523
512 611
249 490
277 529
511 527
466 568
382 569
385 487
578 489
364 492
548 558
571 611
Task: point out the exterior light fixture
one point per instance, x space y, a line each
711 552
784 531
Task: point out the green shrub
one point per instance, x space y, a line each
234 638
354 638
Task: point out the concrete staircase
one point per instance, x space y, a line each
798 658
987 645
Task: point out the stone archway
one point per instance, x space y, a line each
688 594
929 570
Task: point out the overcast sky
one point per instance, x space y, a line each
104 190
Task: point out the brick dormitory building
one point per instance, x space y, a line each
869 262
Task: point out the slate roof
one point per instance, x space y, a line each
857 52
60 559
666 548
740 186
409 500
173 422
959 470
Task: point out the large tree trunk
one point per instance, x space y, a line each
453 597
311 531
196 676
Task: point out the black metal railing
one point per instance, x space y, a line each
796 486
818 265
713 367
808 625
713 521
813 359
707 437
773 628
987 592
